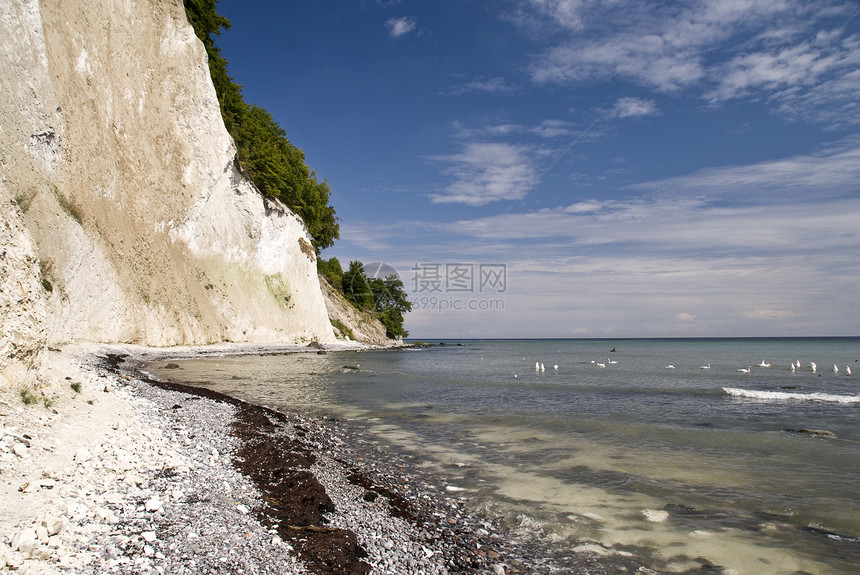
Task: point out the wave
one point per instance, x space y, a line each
785 396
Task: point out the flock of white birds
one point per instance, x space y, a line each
540 368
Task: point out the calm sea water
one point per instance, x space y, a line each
683 465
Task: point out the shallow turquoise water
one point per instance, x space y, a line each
683 465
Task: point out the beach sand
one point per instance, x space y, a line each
112 471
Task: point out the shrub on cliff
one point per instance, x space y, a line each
386 297
274 164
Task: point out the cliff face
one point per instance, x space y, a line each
349 323
125 216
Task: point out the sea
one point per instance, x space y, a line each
735 456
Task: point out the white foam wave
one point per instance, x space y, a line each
785 396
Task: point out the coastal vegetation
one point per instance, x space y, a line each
384 298
273 163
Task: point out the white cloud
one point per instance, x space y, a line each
488 172
400 26
680 262
553 129
835 171
631 107
798 55
813 207
815 79
586 207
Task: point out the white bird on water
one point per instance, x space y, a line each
847 370
670 366
542 368
537 366
835 368
813 367
611 361
705 366
555 366
763 364
747 370
793 369
601 365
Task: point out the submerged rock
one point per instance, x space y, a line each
818 432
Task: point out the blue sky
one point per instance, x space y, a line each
580 168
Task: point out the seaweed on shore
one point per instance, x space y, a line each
295 501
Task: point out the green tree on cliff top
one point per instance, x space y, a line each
274 164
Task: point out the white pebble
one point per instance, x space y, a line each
83 454
655 515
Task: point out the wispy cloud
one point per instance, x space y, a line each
832 172
796 55
487 172
817 78
553 129
497 85
676 260
400 26
632 107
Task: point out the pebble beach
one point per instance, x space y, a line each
120 473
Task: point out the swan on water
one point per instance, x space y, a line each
610 361
793 369
847 370
835 368
763 364
670 366
813 367
542 368
705 366
555 366
747 370
537 366
601 365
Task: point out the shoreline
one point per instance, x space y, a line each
137 475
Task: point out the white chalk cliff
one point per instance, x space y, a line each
125 217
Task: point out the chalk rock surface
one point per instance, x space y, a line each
125 215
